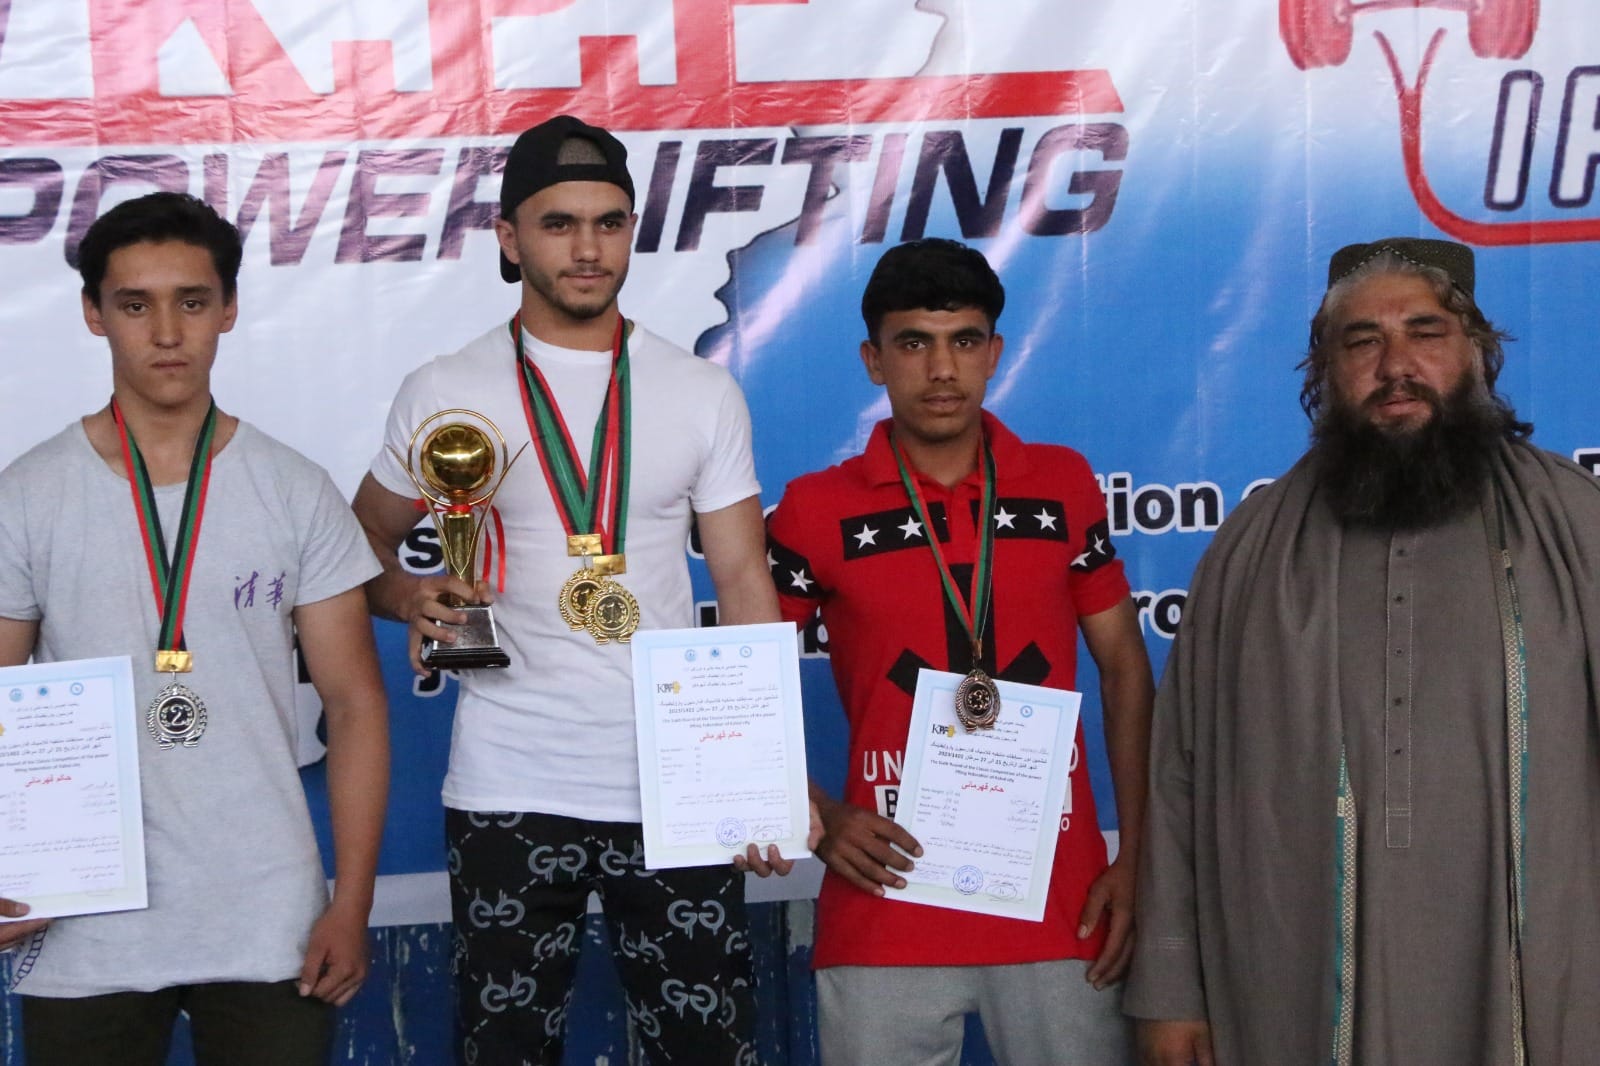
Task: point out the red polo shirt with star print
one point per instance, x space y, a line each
845 542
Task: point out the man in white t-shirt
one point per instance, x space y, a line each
239 933
542 796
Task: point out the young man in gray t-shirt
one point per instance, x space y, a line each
239 931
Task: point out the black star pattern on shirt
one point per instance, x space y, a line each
1097 548
1027 518
791 571
865 535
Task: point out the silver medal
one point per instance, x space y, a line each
176 716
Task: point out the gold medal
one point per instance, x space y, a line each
576 597
593 508
613 613
977 701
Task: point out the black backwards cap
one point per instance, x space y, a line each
543 156
1454 259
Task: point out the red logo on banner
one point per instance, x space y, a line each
268 99
1318 33
1533 231
167 73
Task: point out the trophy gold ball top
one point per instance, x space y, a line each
457 459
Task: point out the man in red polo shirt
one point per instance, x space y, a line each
896 979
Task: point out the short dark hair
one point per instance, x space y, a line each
934 274
158 217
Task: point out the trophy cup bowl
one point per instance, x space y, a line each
458 459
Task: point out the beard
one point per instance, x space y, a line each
581 309
1408 477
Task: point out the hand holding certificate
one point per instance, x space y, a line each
722 759
71 826
13 933
985 805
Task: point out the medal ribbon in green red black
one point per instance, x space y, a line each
973 612
169 576
597 503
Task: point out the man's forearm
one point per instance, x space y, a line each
748 600
1127 695
358 794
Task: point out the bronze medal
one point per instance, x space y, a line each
977 701
977 696
613 613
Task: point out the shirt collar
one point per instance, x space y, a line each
1010 458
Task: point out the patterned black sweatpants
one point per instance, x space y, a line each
519 889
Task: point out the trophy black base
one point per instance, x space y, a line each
476 647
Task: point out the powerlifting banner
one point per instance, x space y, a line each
1158 182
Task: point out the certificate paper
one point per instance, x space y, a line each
71 825
986 806
722 756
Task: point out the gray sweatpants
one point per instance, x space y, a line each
1034 1014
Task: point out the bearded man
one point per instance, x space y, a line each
1374 816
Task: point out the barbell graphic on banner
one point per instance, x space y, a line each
1319 33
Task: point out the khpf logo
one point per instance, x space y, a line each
1319 33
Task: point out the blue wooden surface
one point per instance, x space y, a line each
402 1016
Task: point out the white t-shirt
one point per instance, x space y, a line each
554 732
234 876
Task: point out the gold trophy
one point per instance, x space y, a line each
458 460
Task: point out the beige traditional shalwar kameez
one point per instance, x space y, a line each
1303 640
